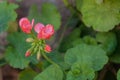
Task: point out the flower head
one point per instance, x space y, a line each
46 32
25 25
37 42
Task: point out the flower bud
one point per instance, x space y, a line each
47 49
29 40
27 54
38 55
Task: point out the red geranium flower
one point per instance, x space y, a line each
46 32
25 25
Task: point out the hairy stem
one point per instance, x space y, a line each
49 60
32 34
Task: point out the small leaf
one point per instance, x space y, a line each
15 53
27 74
118 75
49 15
92 13
7 13
80 72
51 73
89 40
107 41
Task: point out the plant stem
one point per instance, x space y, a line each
32 34
49 60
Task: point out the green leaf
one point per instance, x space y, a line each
116 56
27 74
118 75
49 15
51 73
68 41
80 72
92 13
90 55
7 14
107 41
86 59
15 53
89 40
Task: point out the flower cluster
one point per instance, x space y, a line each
38 42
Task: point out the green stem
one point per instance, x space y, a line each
32 34
49 60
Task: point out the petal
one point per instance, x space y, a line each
49 29
38 27
24 21
32 22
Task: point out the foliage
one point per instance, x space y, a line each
92 13
15 53
85 60
107 41
7 13
28 72
53 72
49 14
86 47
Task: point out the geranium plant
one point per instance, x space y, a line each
85 47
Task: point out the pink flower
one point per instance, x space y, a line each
47 48
25 25
46 32
27 54
38 27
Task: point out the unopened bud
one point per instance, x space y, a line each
47 48
29 40
27 54
38 56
